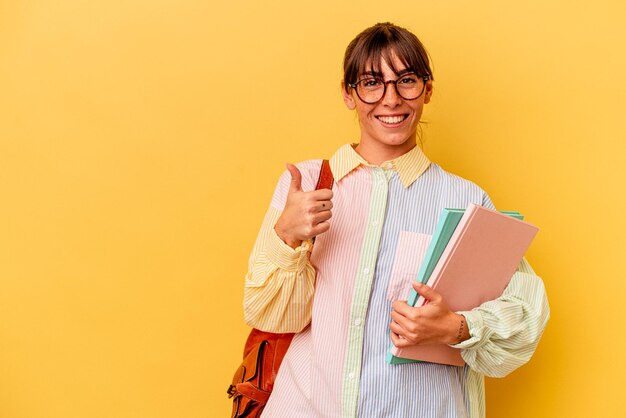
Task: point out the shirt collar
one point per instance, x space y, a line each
409 166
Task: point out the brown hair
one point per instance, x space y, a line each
377 43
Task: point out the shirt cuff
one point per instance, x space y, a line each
285 257
474 323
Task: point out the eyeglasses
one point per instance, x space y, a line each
372 89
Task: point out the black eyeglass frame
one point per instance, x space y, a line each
425 78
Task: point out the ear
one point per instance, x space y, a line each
428 91
348 99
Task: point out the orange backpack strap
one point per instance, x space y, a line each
325 180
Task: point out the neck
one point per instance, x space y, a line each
378 153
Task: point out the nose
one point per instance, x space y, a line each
391 96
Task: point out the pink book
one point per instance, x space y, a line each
476 266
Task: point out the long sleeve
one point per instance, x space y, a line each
504 333
279 284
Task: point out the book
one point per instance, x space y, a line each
447 223
479 256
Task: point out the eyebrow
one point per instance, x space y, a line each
379 74
405 71
372 74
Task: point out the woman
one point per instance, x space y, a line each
342 294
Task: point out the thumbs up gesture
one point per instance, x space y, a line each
306 214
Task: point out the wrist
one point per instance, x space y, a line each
284 236
461 330
457 330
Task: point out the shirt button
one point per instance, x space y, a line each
366 270
351 375
375 223
389 165
357 322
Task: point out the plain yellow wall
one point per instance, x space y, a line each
140 142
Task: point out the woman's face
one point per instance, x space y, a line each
389 125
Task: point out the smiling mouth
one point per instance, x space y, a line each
392 120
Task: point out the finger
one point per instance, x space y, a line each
407 325
402 308
399 341
322 216
319 206
399 318
394 338
398 329
325 205
321 194
296 178
427 292
320 228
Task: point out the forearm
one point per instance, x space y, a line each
280 282
505 332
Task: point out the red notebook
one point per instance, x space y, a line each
476 266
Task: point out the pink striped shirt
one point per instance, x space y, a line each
338 298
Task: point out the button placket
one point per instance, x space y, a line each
363 287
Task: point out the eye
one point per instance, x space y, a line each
408 79
371 82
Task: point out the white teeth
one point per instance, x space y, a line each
390 119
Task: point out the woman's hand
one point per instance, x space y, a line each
306 214
433 323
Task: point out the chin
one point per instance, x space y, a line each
397 141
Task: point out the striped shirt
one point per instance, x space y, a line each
337 296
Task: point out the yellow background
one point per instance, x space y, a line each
140 142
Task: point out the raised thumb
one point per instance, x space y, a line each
296 178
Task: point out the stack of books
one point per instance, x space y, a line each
470 260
